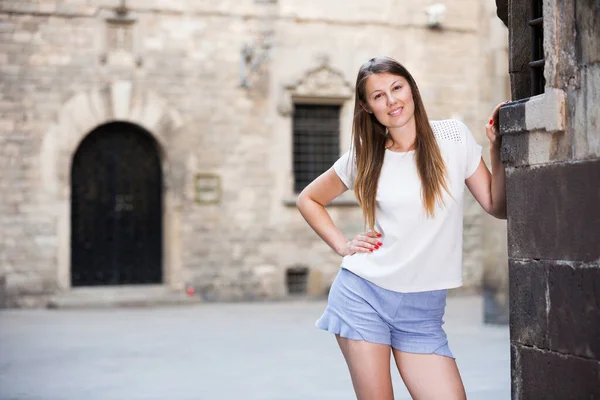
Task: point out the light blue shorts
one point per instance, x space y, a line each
360 310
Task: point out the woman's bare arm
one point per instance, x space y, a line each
489 189
311 203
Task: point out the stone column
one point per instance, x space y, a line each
551 147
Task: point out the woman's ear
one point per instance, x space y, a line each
365 107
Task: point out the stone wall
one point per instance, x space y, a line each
176 71
551 145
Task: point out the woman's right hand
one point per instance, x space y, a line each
366 242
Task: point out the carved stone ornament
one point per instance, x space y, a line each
322 83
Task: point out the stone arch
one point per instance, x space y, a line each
81 114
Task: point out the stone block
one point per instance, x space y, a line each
20 284
588 30
560 34
574 314
528 304
271 281
21 37
539 374
511 118
520 84
553 214
519 36
586 119
514 150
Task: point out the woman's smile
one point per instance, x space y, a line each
396 112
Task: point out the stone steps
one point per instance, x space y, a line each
121 296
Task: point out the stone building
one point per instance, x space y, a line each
163 142
551 148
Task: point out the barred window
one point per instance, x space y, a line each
536 66
316 141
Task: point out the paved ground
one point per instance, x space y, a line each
265 351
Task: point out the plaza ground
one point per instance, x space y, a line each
249 351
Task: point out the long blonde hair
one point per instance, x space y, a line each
370 137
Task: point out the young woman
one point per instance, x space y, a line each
408 175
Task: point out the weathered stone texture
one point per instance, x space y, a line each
518 48
539 374
588 30
549 299
574 312
586 115
181 81
554 218
528 303
567 193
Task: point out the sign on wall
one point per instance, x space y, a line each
207 188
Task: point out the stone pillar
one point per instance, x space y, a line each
551 147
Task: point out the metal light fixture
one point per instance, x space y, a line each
435 13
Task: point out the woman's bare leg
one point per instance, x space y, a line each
369 365
430 376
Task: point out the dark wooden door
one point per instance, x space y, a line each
116 208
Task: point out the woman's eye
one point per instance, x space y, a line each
377 96
397 87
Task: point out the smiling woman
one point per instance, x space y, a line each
408 174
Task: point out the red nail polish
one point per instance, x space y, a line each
379 243
379 235
371 250
376 247
491 122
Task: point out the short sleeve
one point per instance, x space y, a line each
473 152
345 168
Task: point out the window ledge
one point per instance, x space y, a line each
545 112
346 199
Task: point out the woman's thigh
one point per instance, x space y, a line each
369 365
430 376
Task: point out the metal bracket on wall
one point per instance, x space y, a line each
253 57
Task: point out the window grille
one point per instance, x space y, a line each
316 141
536 66
296 279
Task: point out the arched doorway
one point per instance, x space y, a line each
116 208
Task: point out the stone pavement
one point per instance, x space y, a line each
250 351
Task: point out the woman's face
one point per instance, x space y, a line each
390 99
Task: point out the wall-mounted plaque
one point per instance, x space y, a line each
207 189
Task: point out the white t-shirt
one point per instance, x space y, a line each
418 253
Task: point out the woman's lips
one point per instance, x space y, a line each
396 112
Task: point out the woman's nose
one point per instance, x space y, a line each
391 100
